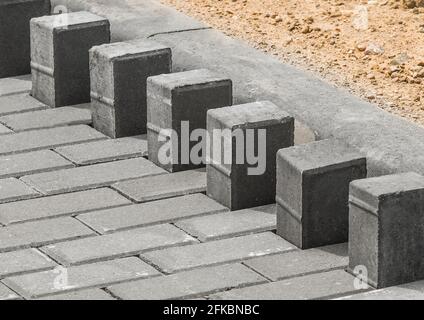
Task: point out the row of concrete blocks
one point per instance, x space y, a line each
312 184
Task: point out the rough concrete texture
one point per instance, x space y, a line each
7 294
88 294
4 130
18 103
15 85
24 261
89 177
31 162
310 287
239 183
162 211
300 263
15 34
313 192
59 56
117 245
12 189
47 138
60 205
217 252
386 233
37 285
118 73
105 150
188 285
163 186
44 119
231 224
178 100
22 236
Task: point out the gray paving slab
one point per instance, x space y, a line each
87 294
13 85
19 103
24 261
4 130
12 189
7 294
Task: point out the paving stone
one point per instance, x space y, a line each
179 102
47 138
7 294
32 162
299 263
12 189
60 205
59 56
39 233
386 235
310 287
89 177
15 85
238 133
88 294
105 150
15 36
164 186
162 211
188 285
24 261
48 118
218 252
4 130
96 275
313 192
231 224
117 245
119 73
19 103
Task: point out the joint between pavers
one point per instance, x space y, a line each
256 271
178 31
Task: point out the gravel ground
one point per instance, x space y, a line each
374 48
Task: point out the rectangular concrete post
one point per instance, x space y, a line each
176 109
119 73
313 192
386 229
59 56
244 140
15 16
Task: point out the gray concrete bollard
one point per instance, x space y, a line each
247 131
177 104
386 229
15 16
59 56
119 73
313 192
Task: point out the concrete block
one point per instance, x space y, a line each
150 213
163 186
24 261
84 295
117 245
22 236
90 177
50 118
15 85
47 138
4 130
7 294
105 150
313 192
300 263
96 275
18 103
15 16
230 224
319 286
180 102
386 235
173 260
59 56
12 189
31 162
188 285
119 73
68 204
257 129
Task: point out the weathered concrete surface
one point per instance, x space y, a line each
14 85
24 261
18 103
392 144
12 189
4 130
87 294
7 294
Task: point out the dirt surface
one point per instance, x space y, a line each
374 48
